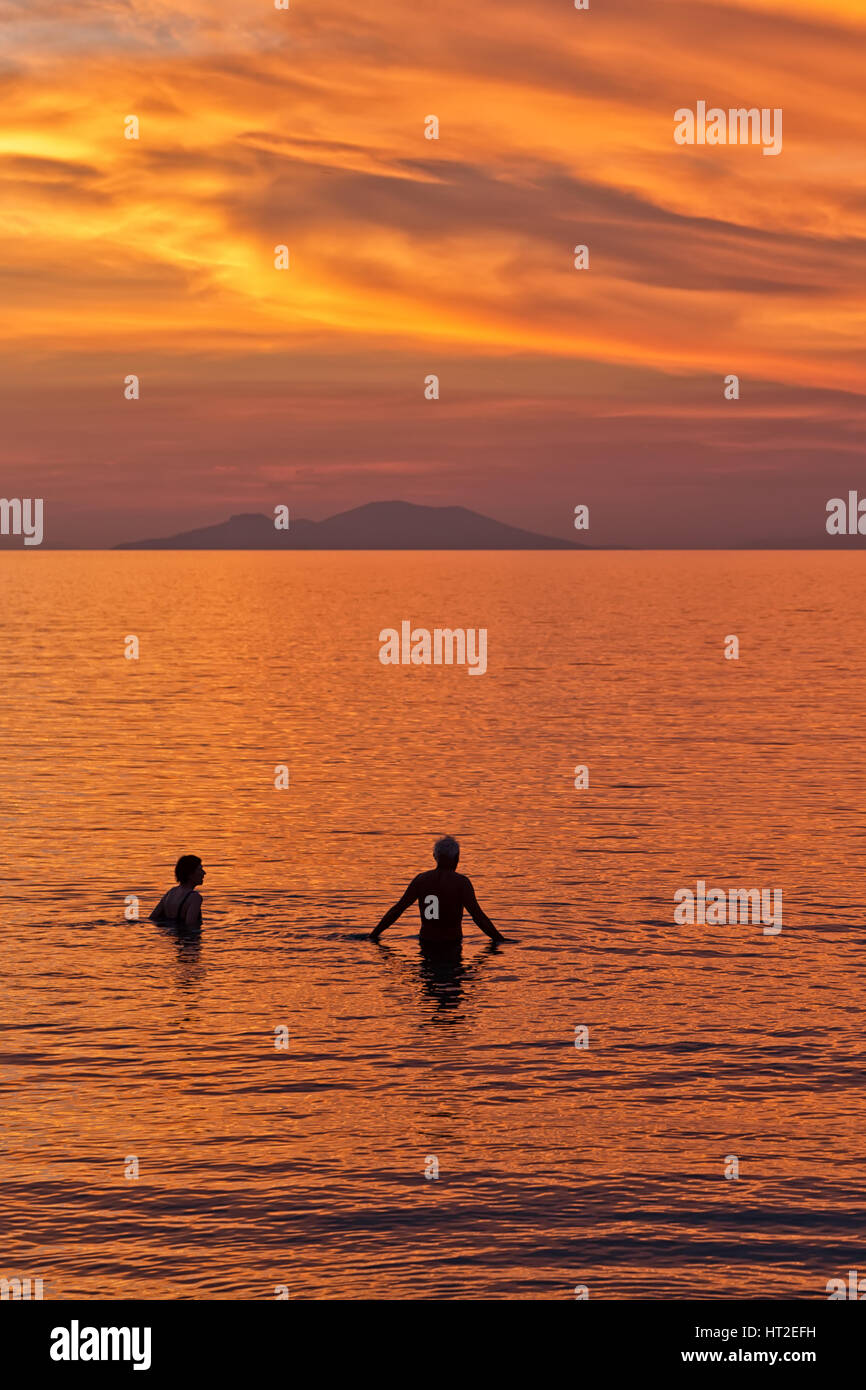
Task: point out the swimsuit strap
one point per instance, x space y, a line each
180 905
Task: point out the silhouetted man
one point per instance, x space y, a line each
441 895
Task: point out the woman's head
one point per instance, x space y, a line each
188 869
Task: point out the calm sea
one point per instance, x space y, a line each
125 1047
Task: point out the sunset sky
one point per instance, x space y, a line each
409 256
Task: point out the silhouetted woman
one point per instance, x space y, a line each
182 905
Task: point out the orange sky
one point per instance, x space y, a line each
410 257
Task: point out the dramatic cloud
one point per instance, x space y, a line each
411 256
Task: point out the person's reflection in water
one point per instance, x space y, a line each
190 969
438 975
444 973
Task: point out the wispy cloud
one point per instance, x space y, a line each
305 127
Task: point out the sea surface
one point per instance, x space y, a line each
129 1048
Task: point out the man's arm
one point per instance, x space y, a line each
396 911
479 917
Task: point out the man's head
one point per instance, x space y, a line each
188 869
446 852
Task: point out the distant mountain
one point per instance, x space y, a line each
376 526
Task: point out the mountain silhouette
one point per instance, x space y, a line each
376 526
